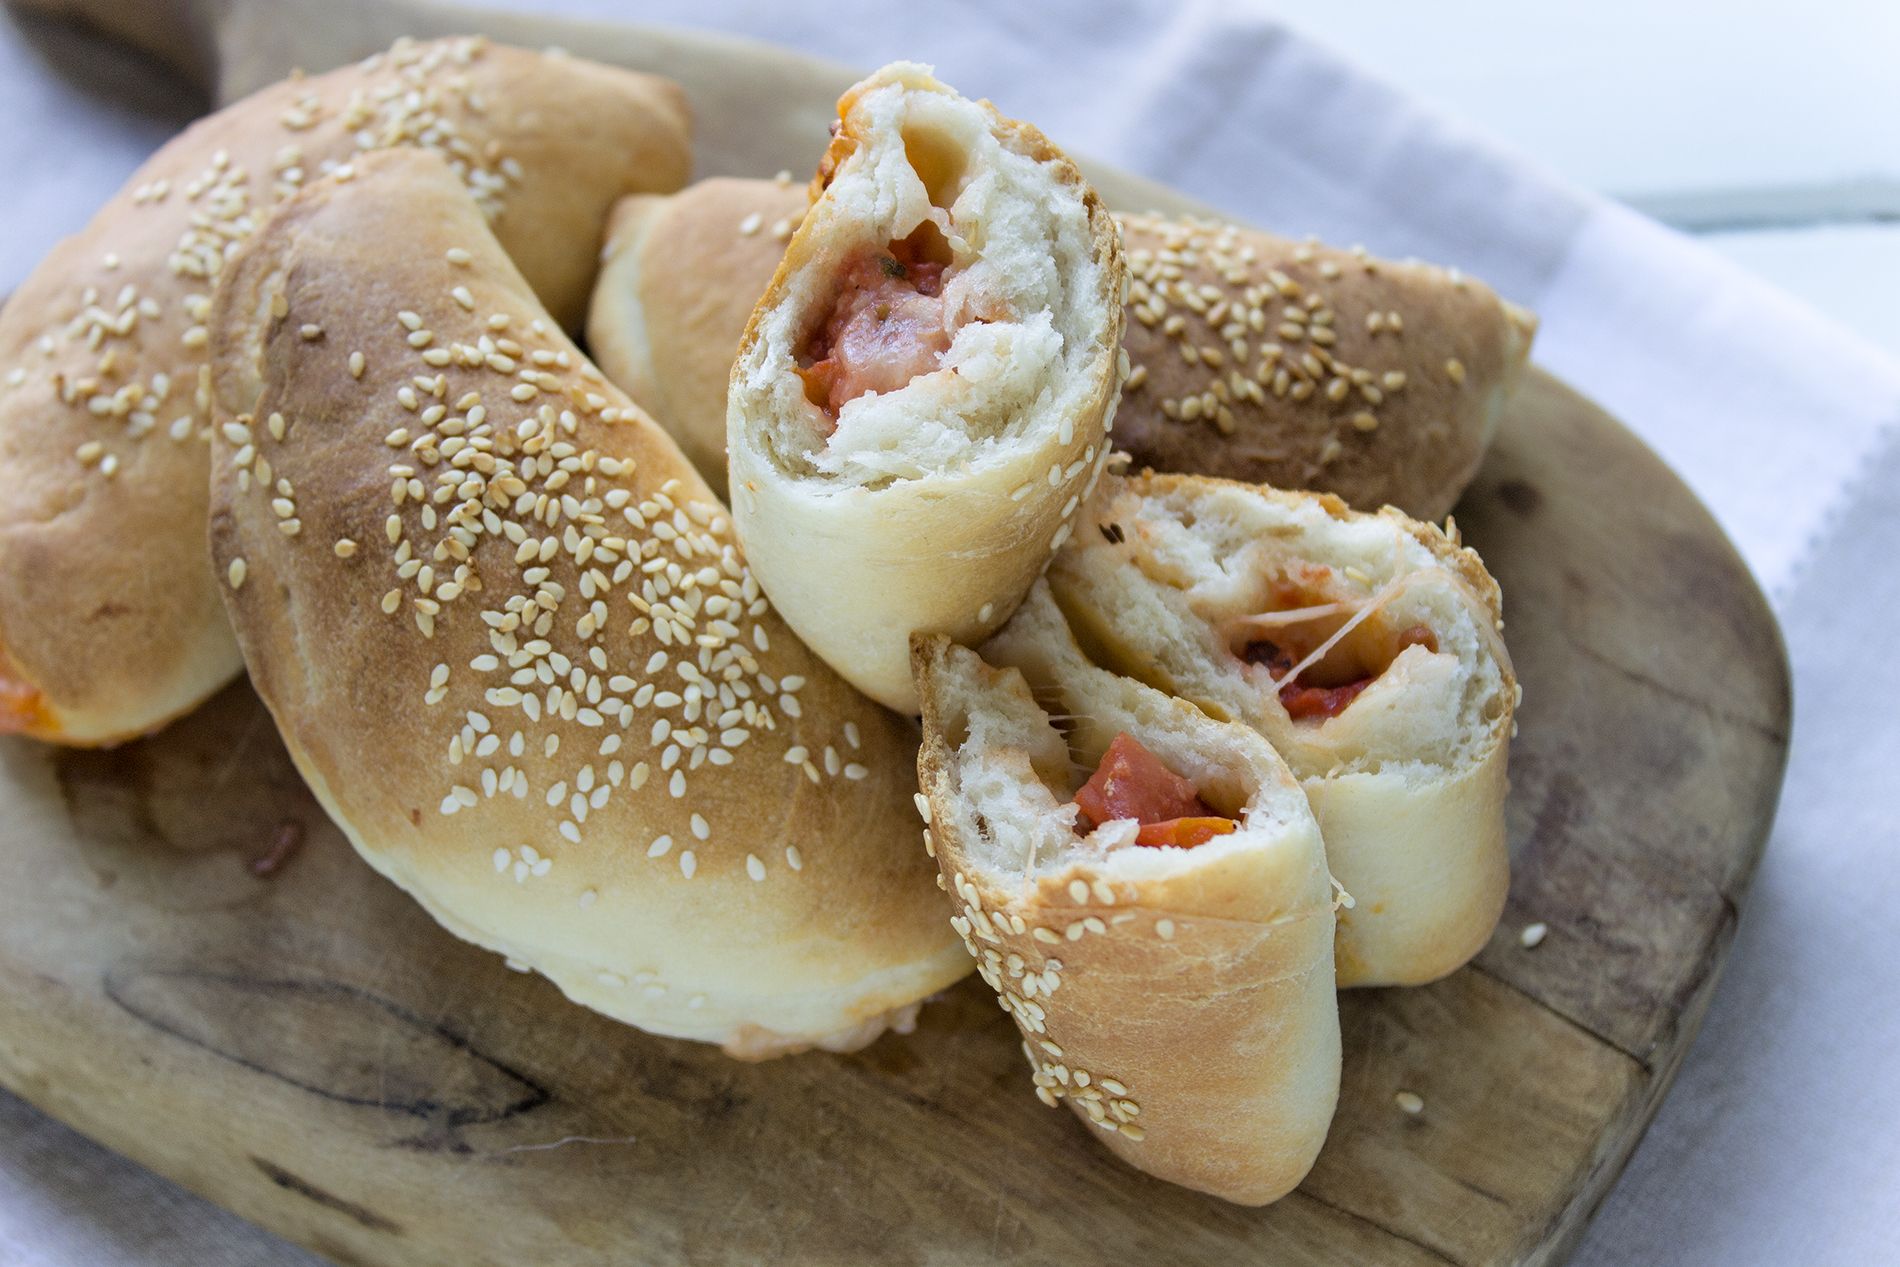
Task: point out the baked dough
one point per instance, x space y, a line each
1179 1000
1379 415
1398 721
513 647
679 277
1271 361
110 623
919 404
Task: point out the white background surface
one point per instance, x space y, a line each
1779 1144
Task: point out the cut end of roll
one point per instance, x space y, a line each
1176 994
945 294
922 397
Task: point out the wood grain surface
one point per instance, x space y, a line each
197 971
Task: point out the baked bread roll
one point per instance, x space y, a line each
1397 424
679 277
920 401
512 645
1172 975
1270 361
110 622
1365 648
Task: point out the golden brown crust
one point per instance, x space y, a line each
1271 361
509 639
107 606
1188 1017
679 278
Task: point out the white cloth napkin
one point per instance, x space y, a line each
1779 1142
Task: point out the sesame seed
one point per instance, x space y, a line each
1164 929
1533 935
457 256
753 867
688 864
236 573
1455 371
751 224
356 365
700 828
1410 1102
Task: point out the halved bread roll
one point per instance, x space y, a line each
1179 999
110 622
511 642
919 402
1365 648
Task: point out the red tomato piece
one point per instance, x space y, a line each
1303 702
1131 782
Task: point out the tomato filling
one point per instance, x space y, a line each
886 327
22 709
1301 701
1131 782
1343 674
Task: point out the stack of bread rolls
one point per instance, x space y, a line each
1196 748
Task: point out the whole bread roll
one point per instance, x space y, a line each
679 276
920 401
512 644
110 622
1270 361
1178 999
1365 648
1378 415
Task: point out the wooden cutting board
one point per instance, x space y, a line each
309 1050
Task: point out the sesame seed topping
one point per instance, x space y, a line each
1533 935
1409 1102
236 573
